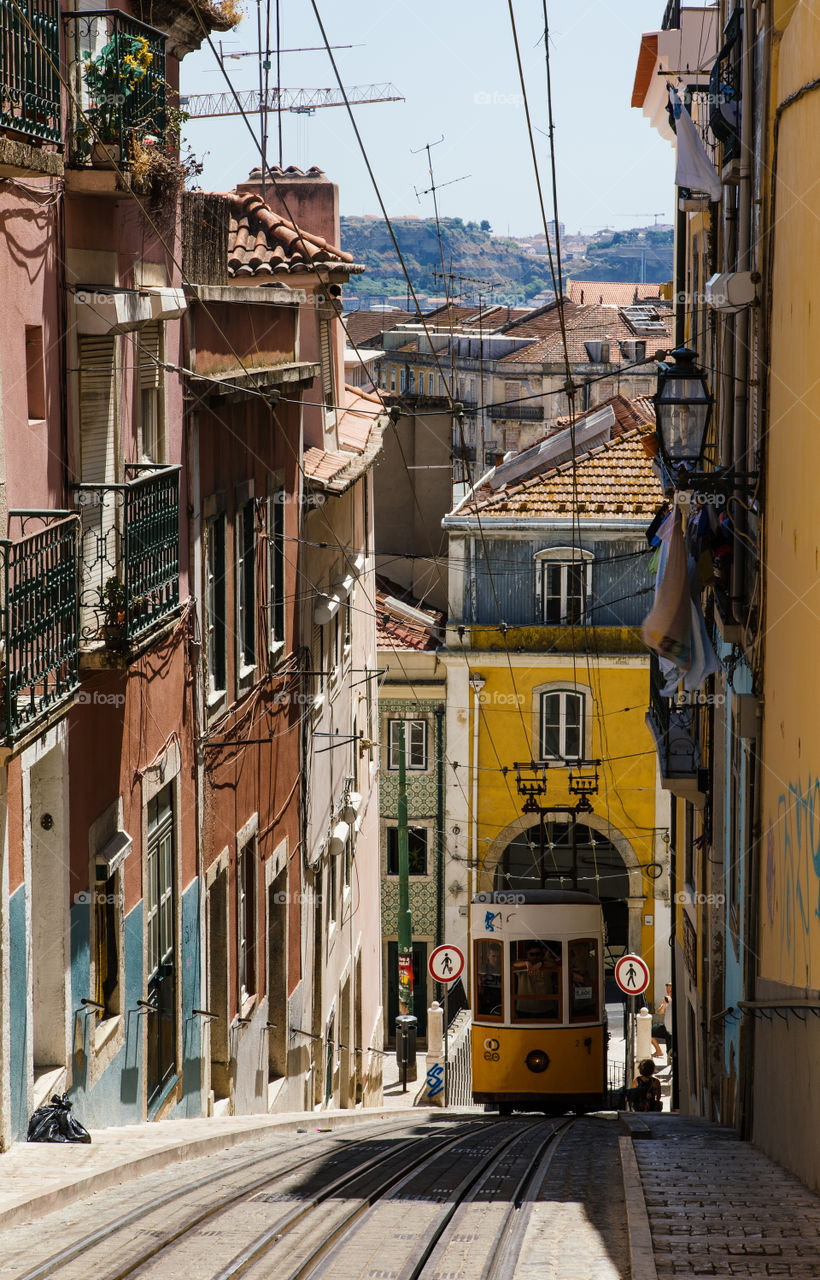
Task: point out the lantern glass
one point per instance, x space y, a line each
683 407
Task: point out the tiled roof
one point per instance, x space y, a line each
360 429
396 628
261 243
363 326
614 480
638 413
618 293
594 323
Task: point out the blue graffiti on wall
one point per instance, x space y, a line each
798 817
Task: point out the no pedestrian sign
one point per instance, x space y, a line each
446 963
632 974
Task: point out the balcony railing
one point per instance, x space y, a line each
724 90
40 617
116 71
130 555
29 68
672 724
518 412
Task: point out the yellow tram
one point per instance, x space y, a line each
539 1020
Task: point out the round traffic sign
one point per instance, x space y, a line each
446 963
632 974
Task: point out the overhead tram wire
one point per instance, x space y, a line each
281 196
397 248
172 258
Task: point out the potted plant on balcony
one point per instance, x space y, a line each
159 169
112 606
111 79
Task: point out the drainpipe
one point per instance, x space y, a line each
477 683
741 357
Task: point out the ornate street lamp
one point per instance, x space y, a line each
683 407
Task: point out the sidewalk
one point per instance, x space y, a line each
715 1206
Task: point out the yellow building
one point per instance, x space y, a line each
549 581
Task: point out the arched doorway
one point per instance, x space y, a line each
595 865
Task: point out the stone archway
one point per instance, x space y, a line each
508 856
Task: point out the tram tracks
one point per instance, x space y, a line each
177 1203
389 1203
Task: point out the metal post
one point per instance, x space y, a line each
542 865
446 1055
405 923
575 850
630 1044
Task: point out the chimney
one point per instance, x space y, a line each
309 198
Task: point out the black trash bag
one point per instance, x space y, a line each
55 1123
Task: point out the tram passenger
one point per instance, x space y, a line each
489 980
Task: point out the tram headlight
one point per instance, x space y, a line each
537 1060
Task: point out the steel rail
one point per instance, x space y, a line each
82 1246
412 1269
263 1243
506 1247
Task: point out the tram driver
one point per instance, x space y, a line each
537 978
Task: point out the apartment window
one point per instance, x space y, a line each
149 388
276 568
35 373
430 383
411 381
318 659
402 379
393 378
563 580
415 744
107 916
417 850
327 371
347 611
246 921
562 725
332 886
246 584
216 604
348 859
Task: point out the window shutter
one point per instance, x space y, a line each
98 465
326 360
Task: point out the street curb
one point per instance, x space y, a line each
37 1206
634 1125
641 1253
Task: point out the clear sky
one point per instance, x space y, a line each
454 62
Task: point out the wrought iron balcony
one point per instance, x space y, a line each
40 617
724 90
518 412
671 724
116 71
29 68
130 555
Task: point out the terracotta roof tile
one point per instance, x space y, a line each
613 479
363 326
593 323
261 242
619 293
395 629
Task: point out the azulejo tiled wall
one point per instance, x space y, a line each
422 810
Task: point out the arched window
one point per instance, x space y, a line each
563 585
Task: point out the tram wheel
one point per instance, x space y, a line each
505 1108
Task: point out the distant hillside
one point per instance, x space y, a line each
470 249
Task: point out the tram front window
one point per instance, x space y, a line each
536 973
583 979
489 970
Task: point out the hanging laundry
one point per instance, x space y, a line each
667 628
693 169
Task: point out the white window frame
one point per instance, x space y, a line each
246 921
277 566
415 752
246 508
564 696
216 691
565 559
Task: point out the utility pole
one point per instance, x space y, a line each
405 921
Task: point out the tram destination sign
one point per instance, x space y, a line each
632 974
446 963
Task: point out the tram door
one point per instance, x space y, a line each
161 1026
420 1000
